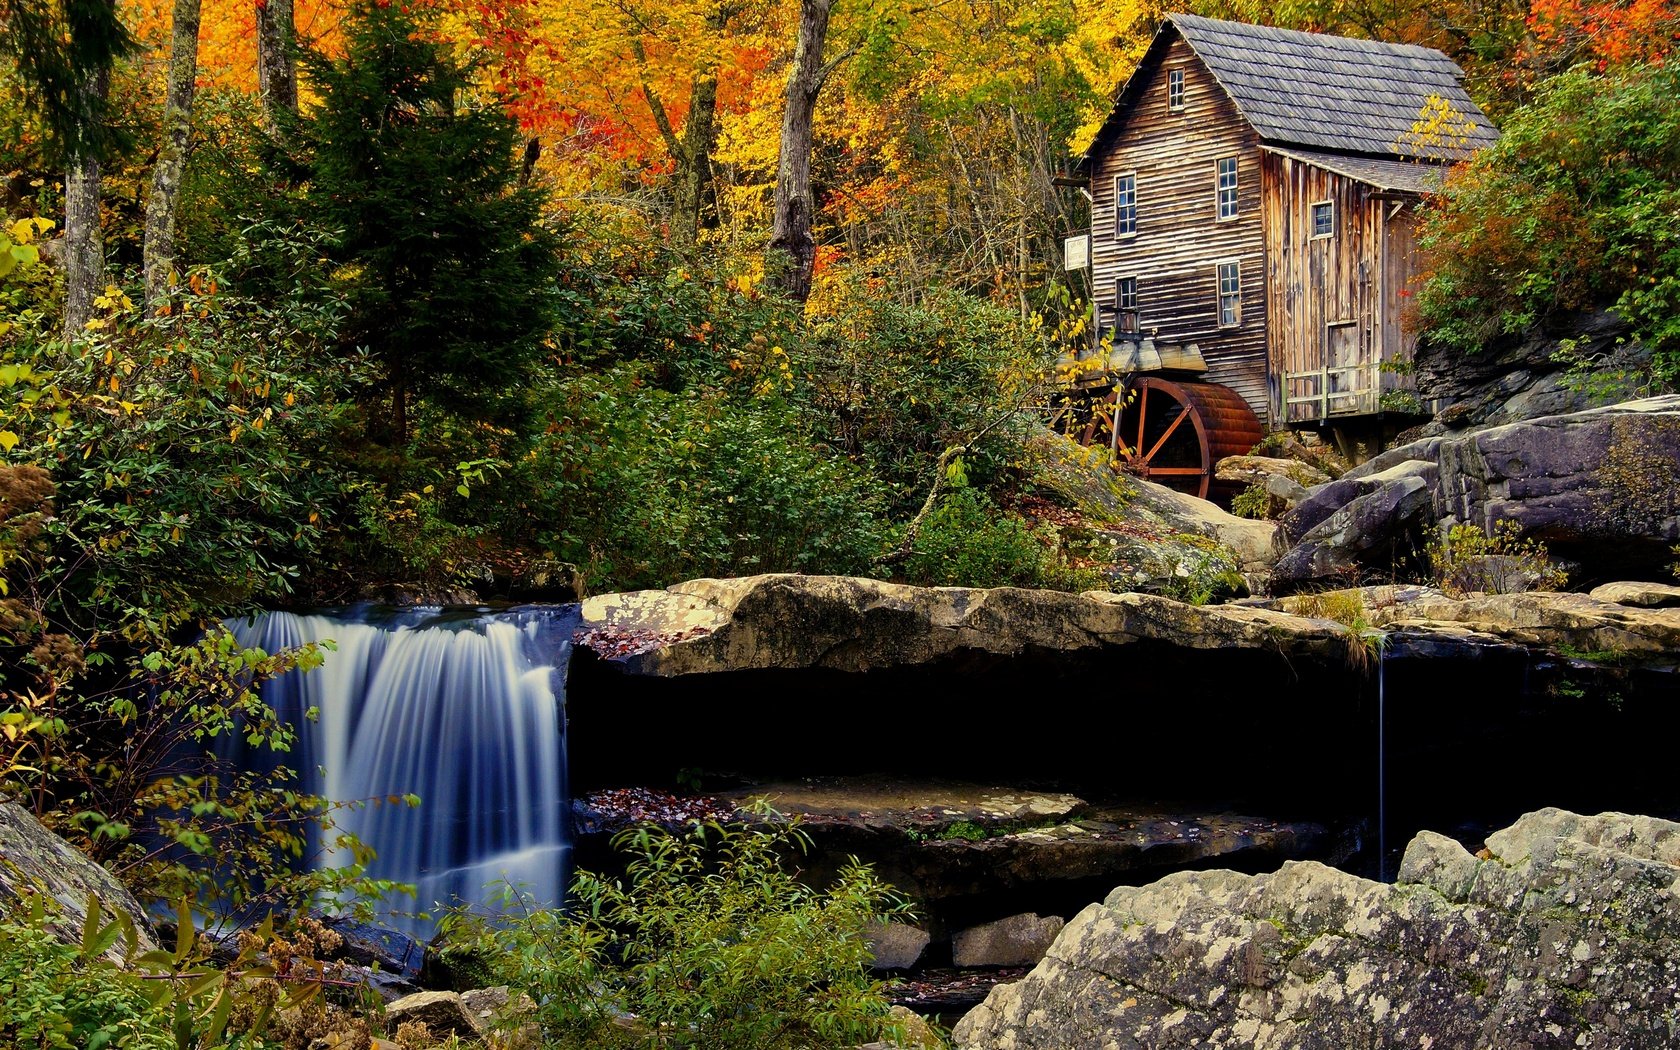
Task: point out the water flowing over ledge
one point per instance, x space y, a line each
465 710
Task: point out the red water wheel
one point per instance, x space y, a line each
1174 433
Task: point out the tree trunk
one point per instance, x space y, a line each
84 250
790 234
159 248
694 159
277 61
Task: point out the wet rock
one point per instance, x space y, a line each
1644 595
443 1013
1562 935
35 861
895 945
367 944
1019 940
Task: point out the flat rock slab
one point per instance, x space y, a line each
942 840
33 860
1643 595
923 807
1563 933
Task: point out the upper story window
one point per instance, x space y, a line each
1230 294
1175 89
1227 187
1324 219
1126 303
1125 205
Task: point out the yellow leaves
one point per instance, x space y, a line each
25 231
8 440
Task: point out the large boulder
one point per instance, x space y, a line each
1019 940
1385 525
1562 933
35 861
1600 487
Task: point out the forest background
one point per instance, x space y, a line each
309 304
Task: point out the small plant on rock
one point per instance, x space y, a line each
1252 502
1468 560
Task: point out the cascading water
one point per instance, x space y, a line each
466 712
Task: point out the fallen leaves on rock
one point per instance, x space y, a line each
615 809
617 641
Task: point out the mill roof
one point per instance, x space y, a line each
1319 92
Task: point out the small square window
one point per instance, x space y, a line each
1125 205
1227 187
1175 89
1126 303
1324 219
1230 294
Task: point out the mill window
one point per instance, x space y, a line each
1175 90
1324 219
1126 303
1125 205
1230 294
1227 187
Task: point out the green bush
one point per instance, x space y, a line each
1252 502
639 486
1577 206
709 941
967 541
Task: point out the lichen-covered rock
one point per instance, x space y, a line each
443 1013
34 860
1565 933
1644 595
1255 470
848 623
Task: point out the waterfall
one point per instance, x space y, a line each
466 711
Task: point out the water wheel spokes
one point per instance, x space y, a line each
1178 431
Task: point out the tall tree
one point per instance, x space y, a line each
447 270
790 234
277 60
159 246
65 52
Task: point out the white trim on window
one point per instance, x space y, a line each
1312 219
1175 89
1228 298
1125 206
1225 188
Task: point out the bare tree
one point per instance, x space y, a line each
159 247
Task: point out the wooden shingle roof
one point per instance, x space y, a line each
1319 92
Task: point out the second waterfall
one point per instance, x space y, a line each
465 711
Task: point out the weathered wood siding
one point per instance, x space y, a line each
1180 240
1333 302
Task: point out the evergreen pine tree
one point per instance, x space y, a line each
448 270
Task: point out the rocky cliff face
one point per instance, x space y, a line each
35 861
1564 932
1600 487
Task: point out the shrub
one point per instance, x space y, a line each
1577 206
1469 560
709 941
639 486
1252 502
967 541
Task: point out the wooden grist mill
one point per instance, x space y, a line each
1254 195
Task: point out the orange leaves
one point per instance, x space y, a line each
1615 33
